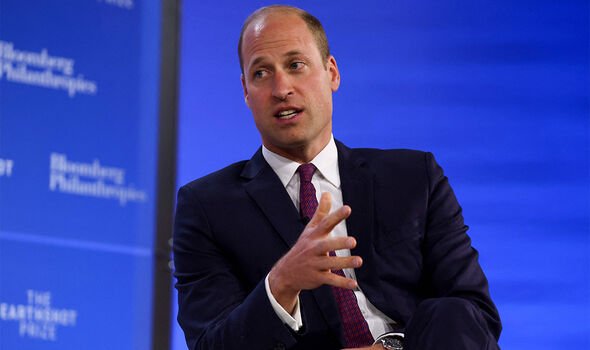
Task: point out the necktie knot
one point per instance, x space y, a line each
306 172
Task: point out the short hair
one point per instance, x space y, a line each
313 24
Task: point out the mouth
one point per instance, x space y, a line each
287 114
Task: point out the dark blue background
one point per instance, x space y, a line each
498 90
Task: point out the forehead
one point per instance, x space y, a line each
276 34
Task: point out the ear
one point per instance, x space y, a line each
332 68
243 80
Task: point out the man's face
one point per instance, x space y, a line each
288 85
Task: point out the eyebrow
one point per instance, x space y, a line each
259 59
293 53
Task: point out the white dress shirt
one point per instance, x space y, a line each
325 179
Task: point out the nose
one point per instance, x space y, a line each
282 86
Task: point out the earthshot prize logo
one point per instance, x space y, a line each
6 167
42 70
38 319
91 180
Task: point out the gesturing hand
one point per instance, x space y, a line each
307 264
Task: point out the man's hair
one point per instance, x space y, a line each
313 24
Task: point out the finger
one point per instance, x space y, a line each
335 280
330 244
327 224
330 221
340 263
323 209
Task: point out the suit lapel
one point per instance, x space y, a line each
266 189
357 192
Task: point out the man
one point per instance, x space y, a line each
262 265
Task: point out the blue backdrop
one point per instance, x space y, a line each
78 150
498 90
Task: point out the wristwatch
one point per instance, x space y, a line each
392 342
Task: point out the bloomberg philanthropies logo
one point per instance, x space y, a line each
91 180
43 70
124 4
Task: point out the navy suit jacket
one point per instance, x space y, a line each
233 225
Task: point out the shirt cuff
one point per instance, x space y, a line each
293 321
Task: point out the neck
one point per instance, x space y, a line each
300 154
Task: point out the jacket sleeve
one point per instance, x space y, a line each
450 262
216 311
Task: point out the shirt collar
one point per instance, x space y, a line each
326 162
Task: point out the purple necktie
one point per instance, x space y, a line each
355 328
308 203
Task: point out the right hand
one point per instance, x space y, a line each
307 265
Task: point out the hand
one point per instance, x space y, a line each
307 264
374 347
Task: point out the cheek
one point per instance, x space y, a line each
323 89
323 99
256 99
259 112
254 104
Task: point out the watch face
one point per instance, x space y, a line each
391 343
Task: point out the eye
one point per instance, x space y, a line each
297 65
259 74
